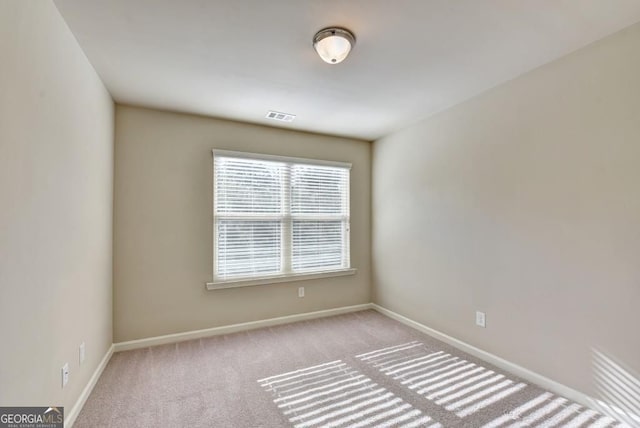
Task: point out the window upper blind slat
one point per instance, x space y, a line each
248 186
319 190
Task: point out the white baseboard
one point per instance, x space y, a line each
70 417
510 367
488 357
234 328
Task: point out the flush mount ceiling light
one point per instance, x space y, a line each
333 44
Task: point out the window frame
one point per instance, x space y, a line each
287 220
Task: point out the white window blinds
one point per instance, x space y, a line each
277 217
320 217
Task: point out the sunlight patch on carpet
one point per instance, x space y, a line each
464 388
456 384
335 395
548 410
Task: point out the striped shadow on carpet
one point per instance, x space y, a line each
333 394
463 387
453 382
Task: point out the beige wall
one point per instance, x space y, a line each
163 224
56 181
524 203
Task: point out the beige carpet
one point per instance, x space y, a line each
358 370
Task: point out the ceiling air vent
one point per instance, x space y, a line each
279 116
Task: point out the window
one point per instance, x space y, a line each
278 218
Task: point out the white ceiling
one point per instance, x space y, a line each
237 59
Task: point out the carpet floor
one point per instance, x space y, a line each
359 370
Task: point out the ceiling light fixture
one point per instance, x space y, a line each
333 44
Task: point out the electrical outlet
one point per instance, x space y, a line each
481 319
65 374
81 353
300 291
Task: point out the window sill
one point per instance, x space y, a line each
278 279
